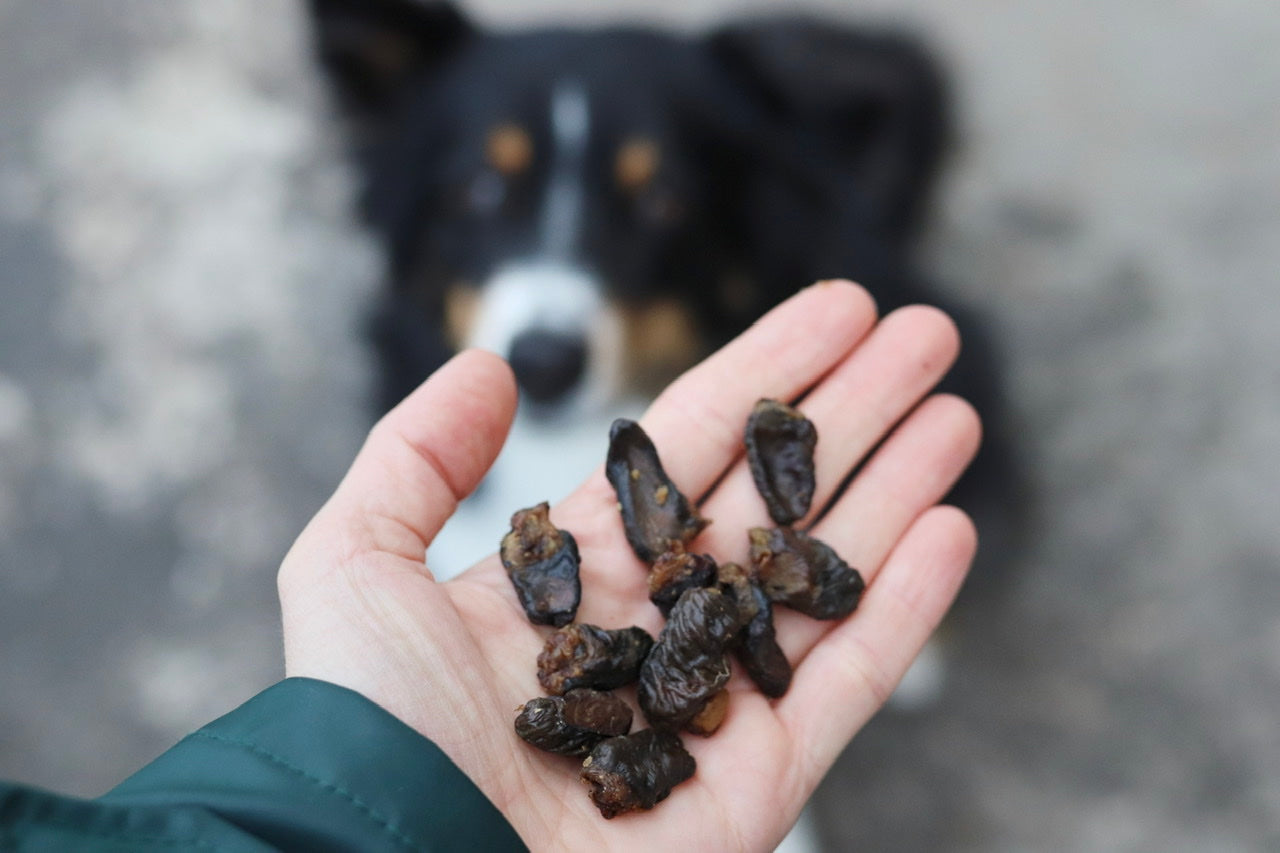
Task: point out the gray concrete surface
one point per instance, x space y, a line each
181 383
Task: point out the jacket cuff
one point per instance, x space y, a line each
310 765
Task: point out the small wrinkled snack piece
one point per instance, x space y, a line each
780 444
636 771
756 644
706 721
542 562
654 512
583 655
676 571
574 723
804 573
688 665
759 652
736 582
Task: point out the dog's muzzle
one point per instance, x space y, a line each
554 326
548 364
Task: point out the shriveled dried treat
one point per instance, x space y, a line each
804 573
654 513
780 444
736 582
759 652
636 771
583 655
756 644
542 562
711 716
574 723
674 572
597 711
688 664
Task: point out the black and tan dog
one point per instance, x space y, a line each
604 207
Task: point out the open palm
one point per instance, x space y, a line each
455 659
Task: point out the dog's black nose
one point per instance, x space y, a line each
547 364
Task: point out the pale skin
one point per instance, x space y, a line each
454 660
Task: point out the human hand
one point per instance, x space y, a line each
455 659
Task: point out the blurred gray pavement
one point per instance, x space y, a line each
182 382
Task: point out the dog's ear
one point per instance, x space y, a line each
871 105
370 47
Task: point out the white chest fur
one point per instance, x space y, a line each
543 460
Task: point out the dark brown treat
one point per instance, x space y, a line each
706 721
542 562
688 664
804 573
596 711
758 649
635 772
735 581
756 644
574 723
780 444
676 571
584 655
654 513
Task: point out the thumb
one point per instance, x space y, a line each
422 458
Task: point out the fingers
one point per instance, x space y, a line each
424 456
696 423
850 673
911 352
913 470
853 408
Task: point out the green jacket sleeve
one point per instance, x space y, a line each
304 765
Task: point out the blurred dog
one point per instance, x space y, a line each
604 208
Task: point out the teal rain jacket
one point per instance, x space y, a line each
304 765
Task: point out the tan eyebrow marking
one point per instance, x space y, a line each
509 148
636 163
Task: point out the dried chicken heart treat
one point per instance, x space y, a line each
676 571
736 582
654 513
574 723
804 573
780 444
583 655
636 771
756 644
759 652
542 562
688 664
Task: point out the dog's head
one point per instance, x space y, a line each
603 207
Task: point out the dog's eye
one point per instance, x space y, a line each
485 193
